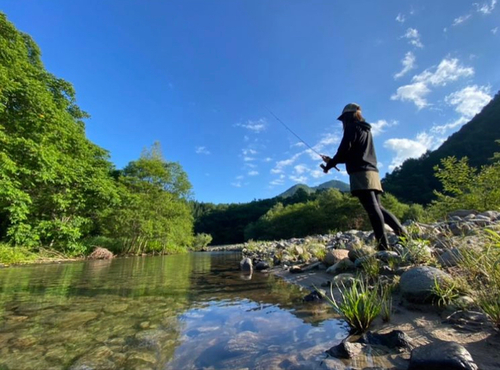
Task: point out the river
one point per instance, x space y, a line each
190 311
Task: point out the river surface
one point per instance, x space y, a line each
192 311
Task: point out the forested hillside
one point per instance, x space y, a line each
333 184
414 180
58 190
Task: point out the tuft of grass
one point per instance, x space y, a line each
360 304
416 251
371 267
479 267
445 292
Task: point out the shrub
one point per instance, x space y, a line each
201 241
10 255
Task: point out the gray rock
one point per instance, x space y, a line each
396 339
461 213
341 266
335 255
387 255
261 265
246 265
440 356
345 350
417 283
492 215
450 258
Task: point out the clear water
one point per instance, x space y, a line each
193 311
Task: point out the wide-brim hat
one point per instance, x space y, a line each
349 108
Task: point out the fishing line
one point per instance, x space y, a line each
298 137
289 129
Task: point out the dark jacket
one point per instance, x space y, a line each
356 149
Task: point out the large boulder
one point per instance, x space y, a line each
335 255
440 356
417 283
246 265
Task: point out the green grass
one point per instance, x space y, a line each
12 255
360 304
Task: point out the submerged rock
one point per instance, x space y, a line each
345 350
246 265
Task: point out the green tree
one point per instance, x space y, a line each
154 214
466 187
54 183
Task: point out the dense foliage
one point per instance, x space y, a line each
57 188
414 180
466 187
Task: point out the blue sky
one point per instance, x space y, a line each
198 76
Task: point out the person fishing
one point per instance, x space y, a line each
357 151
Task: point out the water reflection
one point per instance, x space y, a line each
193 311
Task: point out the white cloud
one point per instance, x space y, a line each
254 126
249 165
470 100
240 177
236 184
300 169
277 182
407 148
298 179
415 93
248 159
202 150
413 37
486 8
248 151
400 18
447 71
267 159
449 126
461 19
253 173
408 64
378 127
494 30
317 174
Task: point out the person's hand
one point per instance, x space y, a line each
325 158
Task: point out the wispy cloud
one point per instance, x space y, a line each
413 37
447 71
401 18
256 126
253 173
202 150
486 8
408 63
298 179
494 30
461 19
379 126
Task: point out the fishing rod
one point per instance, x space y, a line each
298 137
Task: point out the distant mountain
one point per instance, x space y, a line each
414 180
342 186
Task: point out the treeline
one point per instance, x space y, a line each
302 214
59 190
414 180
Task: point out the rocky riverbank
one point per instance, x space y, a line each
443 325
